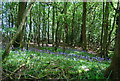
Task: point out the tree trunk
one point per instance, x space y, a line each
83 29
113 71
56 33
53 24
72 35
22 7
25 14
65 22
44 27
110 33
30 27
105 37
101 40
104 32
39 20
48 23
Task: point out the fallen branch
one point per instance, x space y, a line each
33 77
16 71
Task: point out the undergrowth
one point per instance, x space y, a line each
45 65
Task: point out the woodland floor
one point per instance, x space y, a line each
45 63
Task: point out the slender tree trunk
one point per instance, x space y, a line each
39 26
65 22
53 24
83 29
101 41
72 35
110 33
9 21
56 33
25 14
65 34
60 33
44 28
22 7
12 22
48 24
113 72
30 27
105 31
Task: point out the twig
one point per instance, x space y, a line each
64 74
109 75
113 6
15 71
33 76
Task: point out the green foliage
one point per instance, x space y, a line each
54 65
10 30
44 65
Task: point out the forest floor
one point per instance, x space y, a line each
90 51
45 63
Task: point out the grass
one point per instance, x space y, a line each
54 65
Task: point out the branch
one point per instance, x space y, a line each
15 71
25 14
113 6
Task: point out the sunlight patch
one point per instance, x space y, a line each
85 68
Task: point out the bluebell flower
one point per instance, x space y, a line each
93 58
109 59
98 57
102 58
83 56
73 55
40 50
87 57
83 51
61 53
64 53
50 52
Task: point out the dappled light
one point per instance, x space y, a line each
66 41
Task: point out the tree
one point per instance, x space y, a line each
48 24
113 71
39 20
56 32
20 28
22 7
73 17
65 22
104 33
53 22
83 27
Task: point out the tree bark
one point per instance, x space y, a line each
44 27
53 23
39 28
110 33
105 37
22 7
48 24
113 71
73 17
56 33
25 14
101 41
65 22
83 29
104 33
30 27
